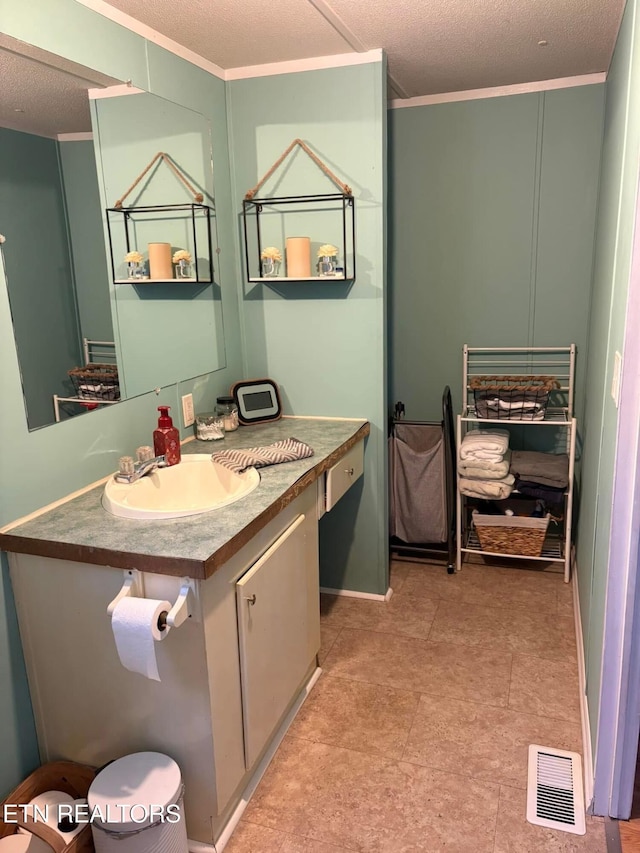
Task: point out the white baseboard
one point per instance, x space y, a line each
352 593
587 754
234 820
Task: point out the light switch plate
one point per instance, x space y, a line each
188 416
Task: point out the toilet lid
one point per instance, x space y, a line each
132 792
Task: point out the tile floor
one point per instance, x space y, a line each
415 737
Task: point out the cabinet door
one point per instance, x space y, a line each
278 627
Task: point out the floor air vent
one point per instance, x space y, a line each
554 790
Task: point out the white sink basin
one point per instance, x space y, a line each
195 485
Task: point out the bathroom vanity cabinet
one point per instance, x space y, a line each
230 674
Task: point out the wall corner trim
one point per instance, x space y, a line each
587 753
500 91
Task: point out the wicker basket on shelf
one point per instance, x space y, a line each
523 397
511 534
96 381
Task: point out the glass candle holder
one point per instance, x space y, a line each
327 264
183 269
270 267
135 270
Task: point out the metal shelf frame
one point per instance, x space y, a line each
255 209
557 361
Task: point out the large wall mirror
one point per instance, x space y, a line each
61 162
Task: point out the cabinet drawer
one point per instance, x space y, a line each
343 475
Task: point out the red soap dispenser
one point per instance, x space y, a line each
166 438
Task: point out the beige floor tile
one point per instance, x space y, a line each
402 614
366 717
295 844
482 741
251 838
398 570
510 587
432 581
406 663
515 630
544 688
328 635
565 599
514 834
365 803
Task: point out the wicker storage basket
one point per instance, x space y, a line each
510 398
67 776
511 534
96 382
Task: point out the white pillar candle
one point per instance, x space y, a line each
160 260
298 252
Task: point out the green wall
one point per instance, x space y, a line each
38 268
616 217
39 467
492 217
82 197
324 343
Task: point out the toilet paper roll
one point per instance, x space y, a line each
135 628
45 808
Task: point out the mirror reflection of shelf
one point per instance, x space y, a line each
175 225
191 280
327 278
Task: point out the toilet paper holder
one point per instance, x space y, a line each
182 609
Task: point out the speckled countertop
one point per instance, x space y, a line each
81 530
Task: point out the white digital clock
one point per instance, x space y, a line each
258 401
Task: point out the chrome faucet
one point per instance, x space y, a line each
131 471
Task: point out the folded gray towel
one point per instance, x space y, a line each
548 469
286 450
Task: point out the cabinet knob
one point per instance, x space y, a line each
251 600
349 471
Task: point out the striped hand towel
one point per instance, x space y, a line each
286 450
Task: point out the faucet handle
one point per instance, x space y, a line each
125 465
144 453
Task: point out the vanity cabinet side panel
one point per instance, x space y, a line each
88 707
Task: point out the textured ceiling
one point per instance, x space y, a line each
42 93
433 46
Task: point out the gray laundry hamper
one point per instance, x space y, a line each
422 486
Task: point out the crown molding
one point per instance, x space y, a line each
501 91
294 66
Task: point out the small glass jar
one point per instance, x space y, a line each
226 408
209 426
183 269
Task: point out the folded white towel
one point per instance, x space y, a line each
495 489
484 444
480 469
479 457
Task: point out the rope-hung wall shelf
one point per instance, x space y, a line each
158 243
300 237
